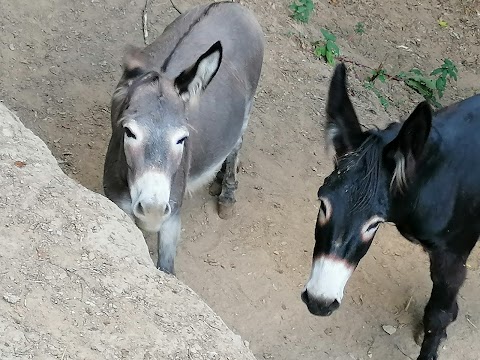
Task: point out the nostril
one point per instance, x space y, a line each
304 297
139 209
167 209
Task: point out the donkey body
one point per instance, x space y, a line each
422 175
179 113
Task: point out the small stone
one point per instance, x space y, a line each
275 252
11 47
10 298
91 256
389 329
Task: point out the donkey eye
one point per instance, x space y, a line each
323 207
129 133
182 140
325 211
373 226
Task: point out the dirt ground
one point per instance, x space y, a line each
60 60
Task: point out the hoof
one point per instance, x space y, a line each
226 210
215 188
239 166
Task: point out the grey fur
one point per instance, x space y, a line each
214 111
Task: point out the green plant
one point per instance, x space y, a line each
379 74
329 50
419 82
302 9
360 28
428 87
447 70
370 85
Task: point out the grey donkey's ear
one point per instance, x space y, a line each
196 78
134 62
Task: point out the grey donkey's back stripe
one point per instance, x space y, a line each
200 18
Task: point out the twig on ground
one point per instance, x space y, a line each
175 6
344 59
470 321
408 303
144 21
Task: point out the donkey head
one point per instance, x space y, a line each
371 169
149 114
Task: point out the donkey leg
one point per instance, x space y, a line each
226 199
216 185
448 273
167 243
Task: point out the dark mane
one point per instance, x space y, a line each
367 158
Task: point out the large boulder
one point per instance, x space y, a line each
76 278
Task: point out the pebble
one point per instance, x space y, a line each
389 329
10 298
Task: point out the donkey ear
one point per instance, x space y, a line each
407 148
343 128
134 62
196 78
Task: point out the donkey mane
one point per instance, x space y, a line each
367 156
134 78
146 77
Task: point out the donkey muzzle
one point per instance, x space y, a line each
151 201
319 307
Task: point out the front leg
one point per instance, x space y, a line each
226 199
168 237
448 273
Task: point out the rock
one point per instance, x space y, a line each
389 329
10 298
69 315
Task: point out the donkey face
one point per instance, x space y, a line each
154 131
371 169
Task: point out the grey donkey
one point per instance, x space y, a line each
178 116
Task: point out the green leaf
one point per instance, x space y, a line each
440 93
382 78
440 84
437 71
442 23
333 48
416 71
430 83
368 85
448 62
384 102
330 58
328 35
319 51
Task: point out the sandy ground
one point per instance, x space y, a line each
60 61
